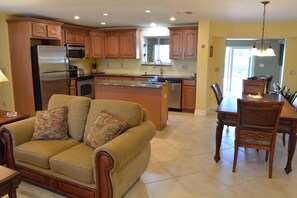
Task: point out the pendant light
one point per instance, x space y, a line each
262 51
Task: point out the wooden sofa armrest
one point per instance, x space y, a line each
119 151
14 134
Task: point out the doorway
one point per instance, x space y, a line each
238 65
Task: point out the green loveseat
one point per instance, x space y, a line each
72 168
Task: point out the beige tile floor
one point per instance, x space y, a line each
182 166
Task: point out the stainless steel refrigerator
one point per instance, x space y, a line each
50 73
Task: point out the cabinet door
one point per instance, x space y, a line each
79 37
112 45
39 30
69 36
54 31
128 44
189 95
87 41
97 44
189 44
176 44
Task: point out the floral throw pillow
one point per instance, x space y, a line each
51 124
105 128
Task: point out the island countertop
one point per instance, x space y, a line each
127 83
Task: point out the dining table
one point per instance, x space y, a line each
227 113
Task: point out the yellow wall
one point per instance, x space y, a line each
6 93
219 32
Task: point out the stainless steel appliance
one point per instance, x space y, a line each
75 51
174 94
50 73
85 86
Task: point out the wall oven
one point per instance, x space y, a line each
85 86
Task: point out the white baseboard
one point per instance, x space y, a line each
211 109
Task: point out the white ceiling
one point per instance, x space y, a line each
131 12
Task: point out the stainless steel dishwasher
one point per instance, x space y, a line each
175 94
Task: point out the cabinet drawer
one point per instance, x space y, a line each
189 82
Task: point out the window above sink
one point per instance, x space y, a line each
155 45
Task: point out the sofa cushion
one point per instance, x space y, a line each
51 124
78 108
128 111
75 162
105 128
38 152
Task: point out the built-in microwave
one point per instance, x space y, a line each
75 51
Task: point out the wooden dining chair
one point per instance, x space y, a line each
256 127
254 86
285 128
217 91
219 96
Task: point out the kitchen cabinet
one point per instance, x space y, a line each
97 44
122 44
46 31
72 88
188 95
74 36
98 78
23 33
183 43
87 43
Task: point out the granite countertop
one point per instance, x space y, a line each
169 76
130 83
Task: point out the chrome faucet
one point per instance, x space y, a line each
161 70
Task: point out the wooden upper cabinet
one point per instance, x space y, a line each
87 43
74 36
183 43
97 44
122 44
46 31
176 44
128 44
112 45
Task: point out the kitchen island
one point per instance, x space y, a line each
153 97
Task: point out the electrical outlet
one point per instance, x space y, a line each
4 104
292 72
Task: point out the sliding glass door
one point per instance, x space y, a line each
238 65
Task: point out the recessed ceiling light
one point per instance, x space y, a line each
172 19
148 11
105 14
76 17
103 23
153 24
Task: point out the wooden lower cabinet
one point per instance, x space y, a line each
188 95
72 88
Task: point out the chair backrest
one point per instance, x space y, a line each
254 86
216 89
257 122
294 101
